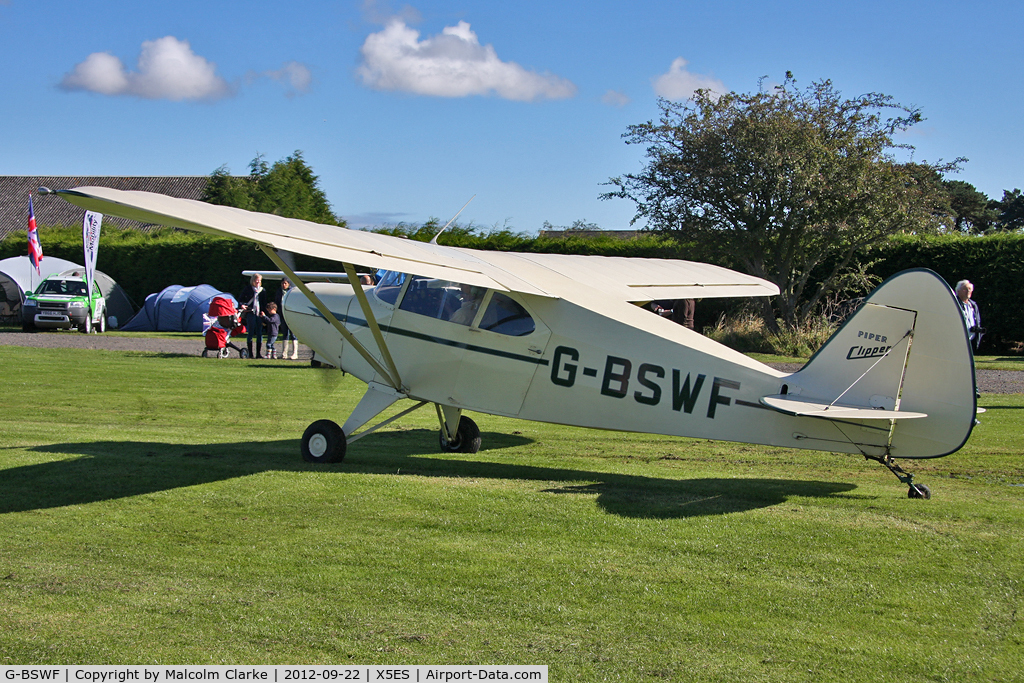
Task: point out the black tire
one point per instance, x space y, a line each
323 442
919 491
467 438
27 326
242 353
103 325
86 326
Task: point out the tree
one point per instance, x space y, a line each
288 188
1011 210
970 207
783 183
227 190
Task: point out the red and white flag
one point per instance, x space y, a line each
35 250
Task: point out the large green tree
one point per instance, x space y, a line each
288 188
1010 210
971 209
783 183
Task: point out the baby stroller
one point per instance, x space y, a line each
221 321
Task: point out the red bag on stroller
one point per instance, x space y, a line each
224 319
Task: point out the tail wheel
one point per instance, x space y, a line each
322 442
467 438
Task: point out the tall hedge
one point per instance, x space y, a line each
147 262
994 263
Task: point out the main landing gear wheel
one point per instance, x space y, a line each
467 438
919 491
323 441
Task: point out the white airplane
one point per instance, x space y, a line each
561 339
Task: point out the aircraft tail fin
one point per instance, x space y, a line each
905 351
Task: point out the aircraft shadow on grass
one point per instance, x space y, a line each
110 470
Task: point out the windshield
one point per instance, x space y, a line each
65 287
389 284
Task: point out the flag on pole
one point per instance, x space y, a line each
91 245
35 250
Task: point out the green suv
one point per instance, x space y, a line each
62 302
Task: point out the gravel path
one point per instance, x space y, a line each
989 381
191 346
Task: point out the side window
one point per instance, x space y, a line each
431 297
505 316
389 286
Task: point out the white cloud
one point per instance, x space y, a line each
452 64
296 76
614 98
167 69
680 84
380 12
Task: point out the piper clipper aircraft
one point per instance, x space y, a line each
561 339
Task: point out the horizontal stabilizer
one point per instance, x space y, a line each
789 405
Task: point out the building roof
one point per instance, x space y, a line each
51 210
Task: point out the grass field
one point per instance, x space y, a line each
154 509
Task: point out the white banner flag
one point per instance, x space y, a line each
91 243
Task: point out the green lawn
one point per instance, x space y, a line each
155 509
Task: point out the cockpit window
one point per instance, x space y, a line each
433 298
460 304
389 285
505 316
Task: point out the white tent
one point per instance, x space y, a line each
18 275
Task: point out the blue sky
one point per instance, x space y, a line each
405 111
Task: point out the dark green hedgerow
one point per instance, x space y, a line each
147 262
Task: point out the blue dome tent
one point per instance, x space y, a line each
175 309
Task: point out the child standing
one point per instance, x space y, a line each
272 323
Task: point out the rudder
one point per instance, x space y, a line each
905 349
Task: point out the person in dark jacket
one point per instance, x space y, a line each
287 336
969 309
252 305
271 323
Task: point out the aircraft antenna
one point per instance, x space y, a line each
434 241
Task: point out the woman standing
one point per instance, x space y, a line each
285 333
252 304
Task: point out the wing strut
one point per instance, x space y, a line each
371 320
393 382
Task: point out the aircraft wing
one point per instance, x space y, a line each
303 237
306 276
550 275
651 279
